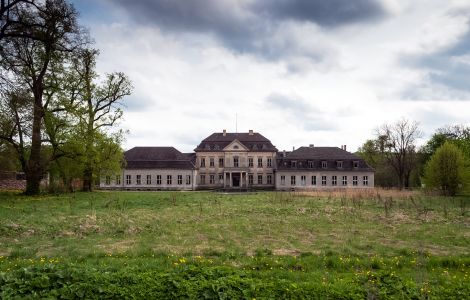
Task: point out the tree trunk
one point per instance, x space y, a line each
34 170
87 180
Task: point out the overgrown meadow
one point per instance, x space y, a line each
373 244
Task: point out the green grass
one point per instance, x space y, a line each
420 245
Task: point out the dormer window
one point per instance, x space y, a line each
339 164
324 164
310 164
293 164
355 164
207 147
216 147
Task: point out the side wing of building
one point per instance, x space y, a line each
154 168
308 168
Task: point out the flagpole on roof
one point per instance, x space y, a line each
236 122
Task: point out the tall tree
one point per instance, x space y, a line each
373 152
100 108
28 62
399 143
445 170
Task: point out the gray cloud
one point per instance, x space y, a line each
250 26
447 69
300 112
329 13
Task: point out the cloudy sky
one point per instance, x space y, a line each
323 72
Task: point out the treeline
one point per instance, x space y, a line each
442 163
57 116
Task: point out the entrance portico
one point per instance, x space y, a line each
235 179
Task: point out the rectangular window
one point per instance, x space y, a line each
235 161
365 180
128 179
260 162
355 180
159 179
269 162
293 164
221 162
149 179
355 164
250 179
203 162
292 180
334 180
188 179
339 164
303 180
118 179
260 179
324 164
211 179
283 180
221 178
138 179
323 180
314 180
310 164
211 162
168 179
203 179
108 180
345 180
180 179
250 162
269 179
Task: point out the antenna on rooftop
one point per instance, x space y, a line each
236 122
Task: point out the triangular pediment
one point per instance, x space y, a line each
236 145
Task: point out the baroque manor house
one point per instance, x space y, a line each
240 161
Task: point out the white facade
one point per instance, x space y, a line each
151 179
309 180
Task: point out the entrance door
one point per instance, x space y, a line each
235 179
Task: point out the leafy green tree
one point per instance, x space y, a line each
446 170
43 35
99 110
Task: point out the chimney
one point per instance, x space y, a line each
344 147
311 145
293 148
284 153
224 132
250 132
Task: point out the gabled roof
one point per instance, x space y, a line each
219 140
157 158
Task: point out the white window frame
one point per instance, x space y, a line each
169 180
292 180
365 180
